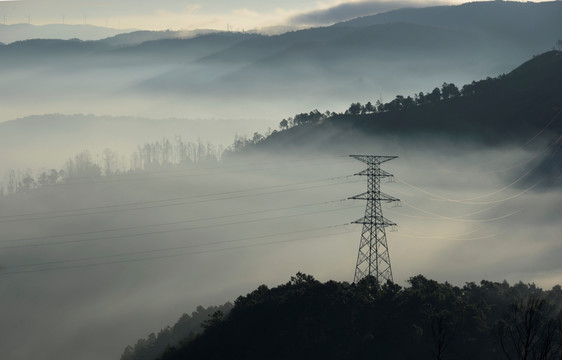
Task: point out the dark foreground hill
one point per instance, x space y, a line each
307 319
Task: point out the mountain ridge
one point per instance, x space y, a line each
306 318
508 110
21 32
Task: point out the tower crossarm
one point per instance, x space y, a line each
374 220
380 196
373 159
378 172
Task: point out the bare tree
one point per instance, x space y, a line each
109 159
528 330
441 331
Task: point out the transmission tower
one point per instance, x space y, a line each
373 258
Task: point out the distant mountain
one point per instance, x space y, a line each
37 50
138 37
19 32
183 49
467 41
367 58
533 26
137 47
482 17
341 53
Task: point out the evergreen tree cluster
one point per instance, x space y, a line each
307 319
494 110
183 330
447 91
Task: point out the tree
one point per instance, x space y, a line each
82 166
109 158
528 330
128 353
368 108
43 179
449 91
213 320
284 124
419 98
434 96
469 89
13 183
28 182
257 138
379 106
559 333
441 331
354 109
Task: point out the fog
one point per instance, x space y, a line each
90 264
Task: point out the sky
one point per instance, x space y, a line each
181 14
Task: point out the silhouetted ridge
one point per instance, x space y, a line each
507 109
307 319
480 17
186 327
539 70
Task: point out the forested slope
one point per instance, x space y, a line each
185 328
495 110
307 319
509 110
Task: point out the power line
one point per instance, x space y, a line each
483 237
159 232
174 248
138 175
507 154
166 256
439 217
443 198
170 223
75 212
461 220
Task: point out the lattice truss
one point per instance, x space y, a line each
373 258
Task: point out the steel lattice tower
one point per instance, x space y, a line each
373 258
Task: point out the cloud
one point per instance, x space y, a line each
350 10
246 13
193 8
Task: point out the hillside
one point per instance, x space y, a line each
521 108
508 109
439 39
307 319
21 32
46 141
533 23
187 326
